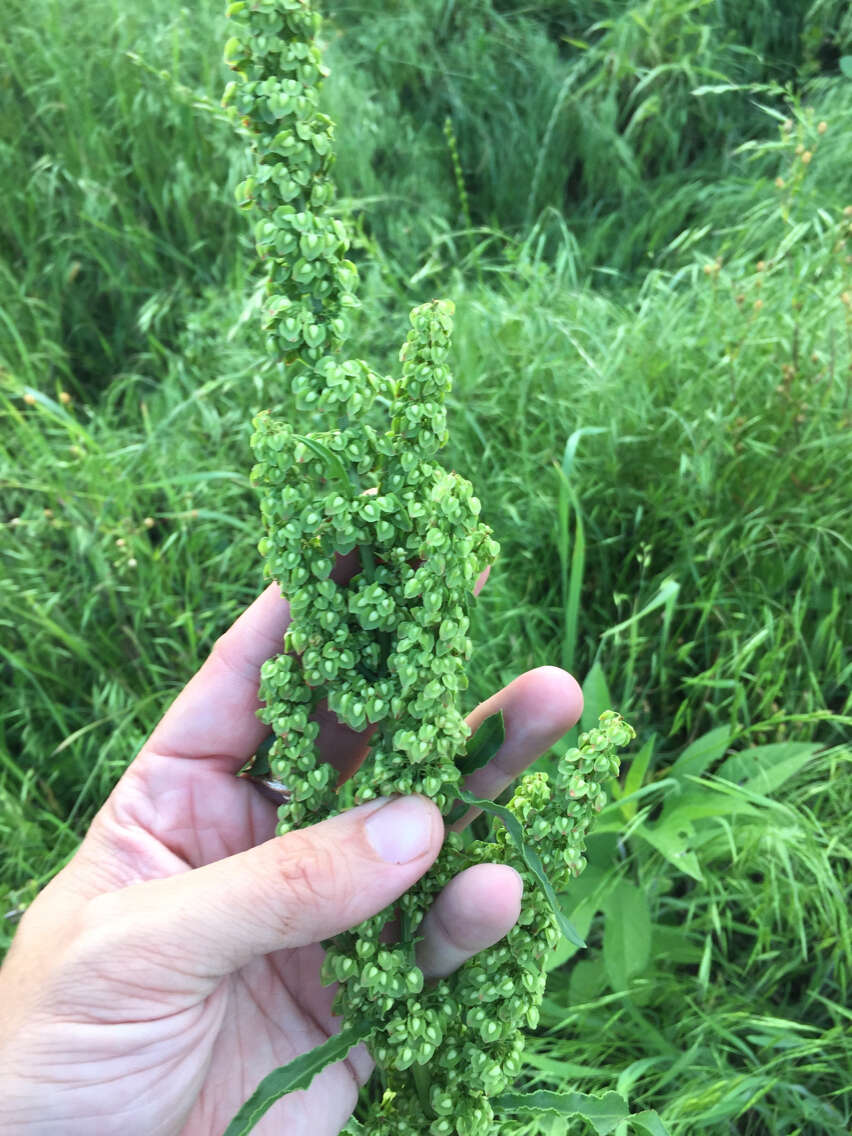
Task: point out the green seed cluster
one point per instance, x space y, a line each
311 283
387 650
469 1027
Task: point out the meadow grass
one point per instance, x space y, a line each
652 358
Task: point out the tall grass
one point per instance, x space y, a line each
652 358
114 211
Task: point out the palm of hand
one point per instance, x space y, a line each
212 1040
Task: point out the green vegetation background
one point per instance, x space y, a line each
648 238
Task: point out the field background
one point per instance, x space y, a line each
647 232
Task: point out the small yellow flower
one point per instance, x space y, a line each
29 399
822 127
758 304
779 183
64 398
806 157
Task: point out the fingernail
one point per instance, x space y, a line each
401 830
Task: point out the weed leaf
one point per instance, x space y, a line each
298 1074
627 934
763 769
701 753
483 745
531 859
648 1121
603 1112
673 842
332 462
636 775
596 697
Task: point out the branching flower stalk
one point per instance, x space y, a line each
389 649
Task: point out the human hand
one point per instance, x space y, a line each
175 960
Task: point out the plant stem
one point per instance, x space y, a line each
368 561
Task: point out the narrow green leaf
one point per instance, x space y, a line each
571 585
575 587
703 752
573 442
332 462
563 951
596 697
636 775
483 745
845 65
298 1074
562 514
530 858
583 896
666 594
627 934
602 1112
535 865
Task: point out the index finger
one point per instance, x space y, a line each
215 715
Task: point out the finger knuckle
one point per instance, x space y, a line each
311 876
226 653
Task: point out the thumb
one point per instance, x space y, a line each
290 891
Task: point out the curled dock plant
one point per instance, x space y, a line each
387 648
